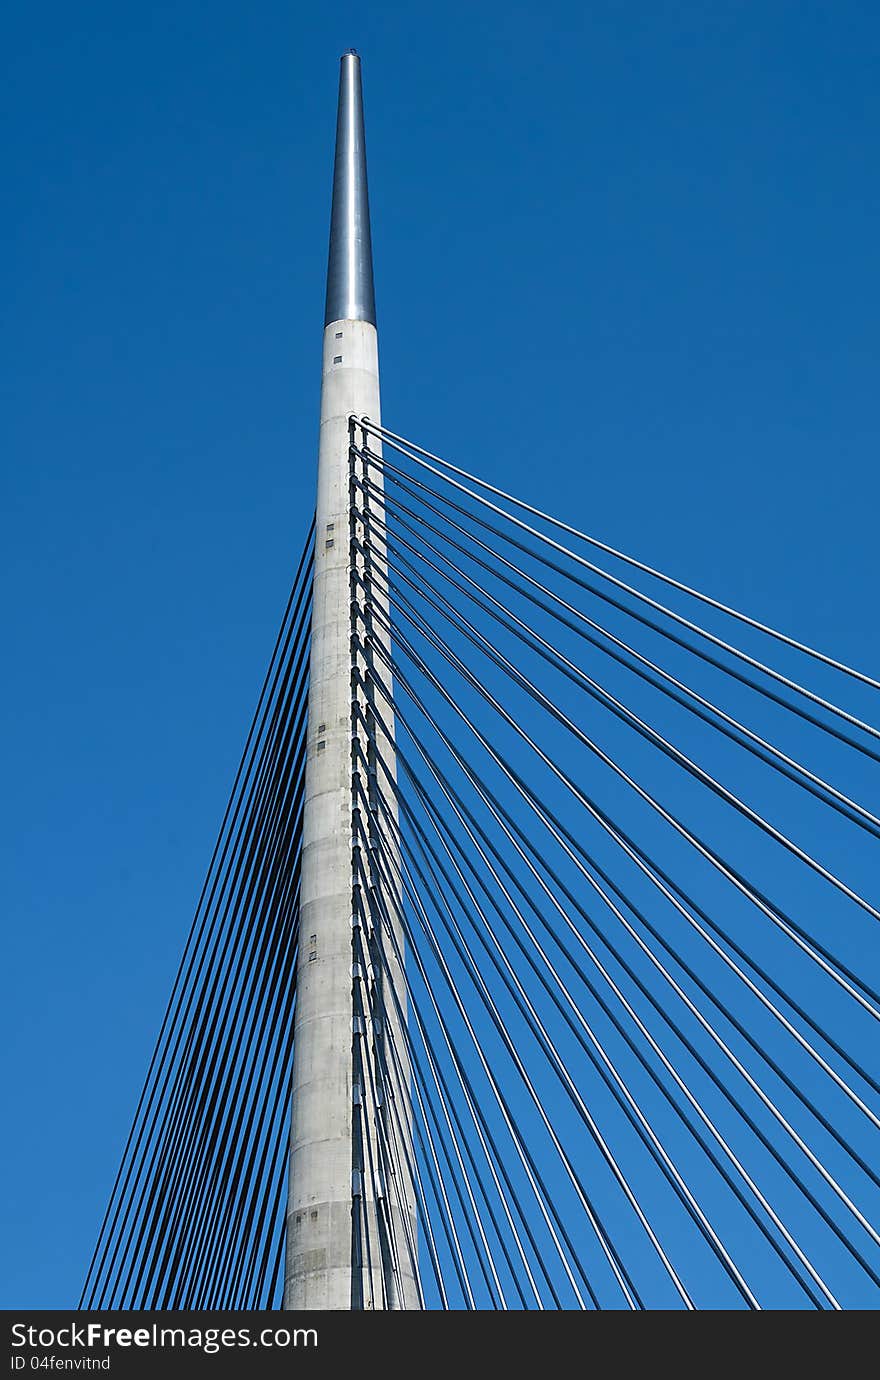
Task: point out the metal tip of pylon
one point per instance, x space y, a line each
350 294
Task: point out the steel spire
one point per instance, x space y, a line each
350 295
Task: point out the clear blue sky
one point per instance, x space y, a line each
626 262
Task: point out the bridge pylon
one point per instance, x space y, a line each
347 1221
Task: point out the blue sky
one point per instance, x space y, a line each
626 265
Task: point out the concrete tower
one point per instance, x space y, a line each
332 1199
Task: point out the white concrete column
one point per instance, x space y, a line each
320 1196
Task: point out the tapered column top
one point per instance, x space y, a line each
350 295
